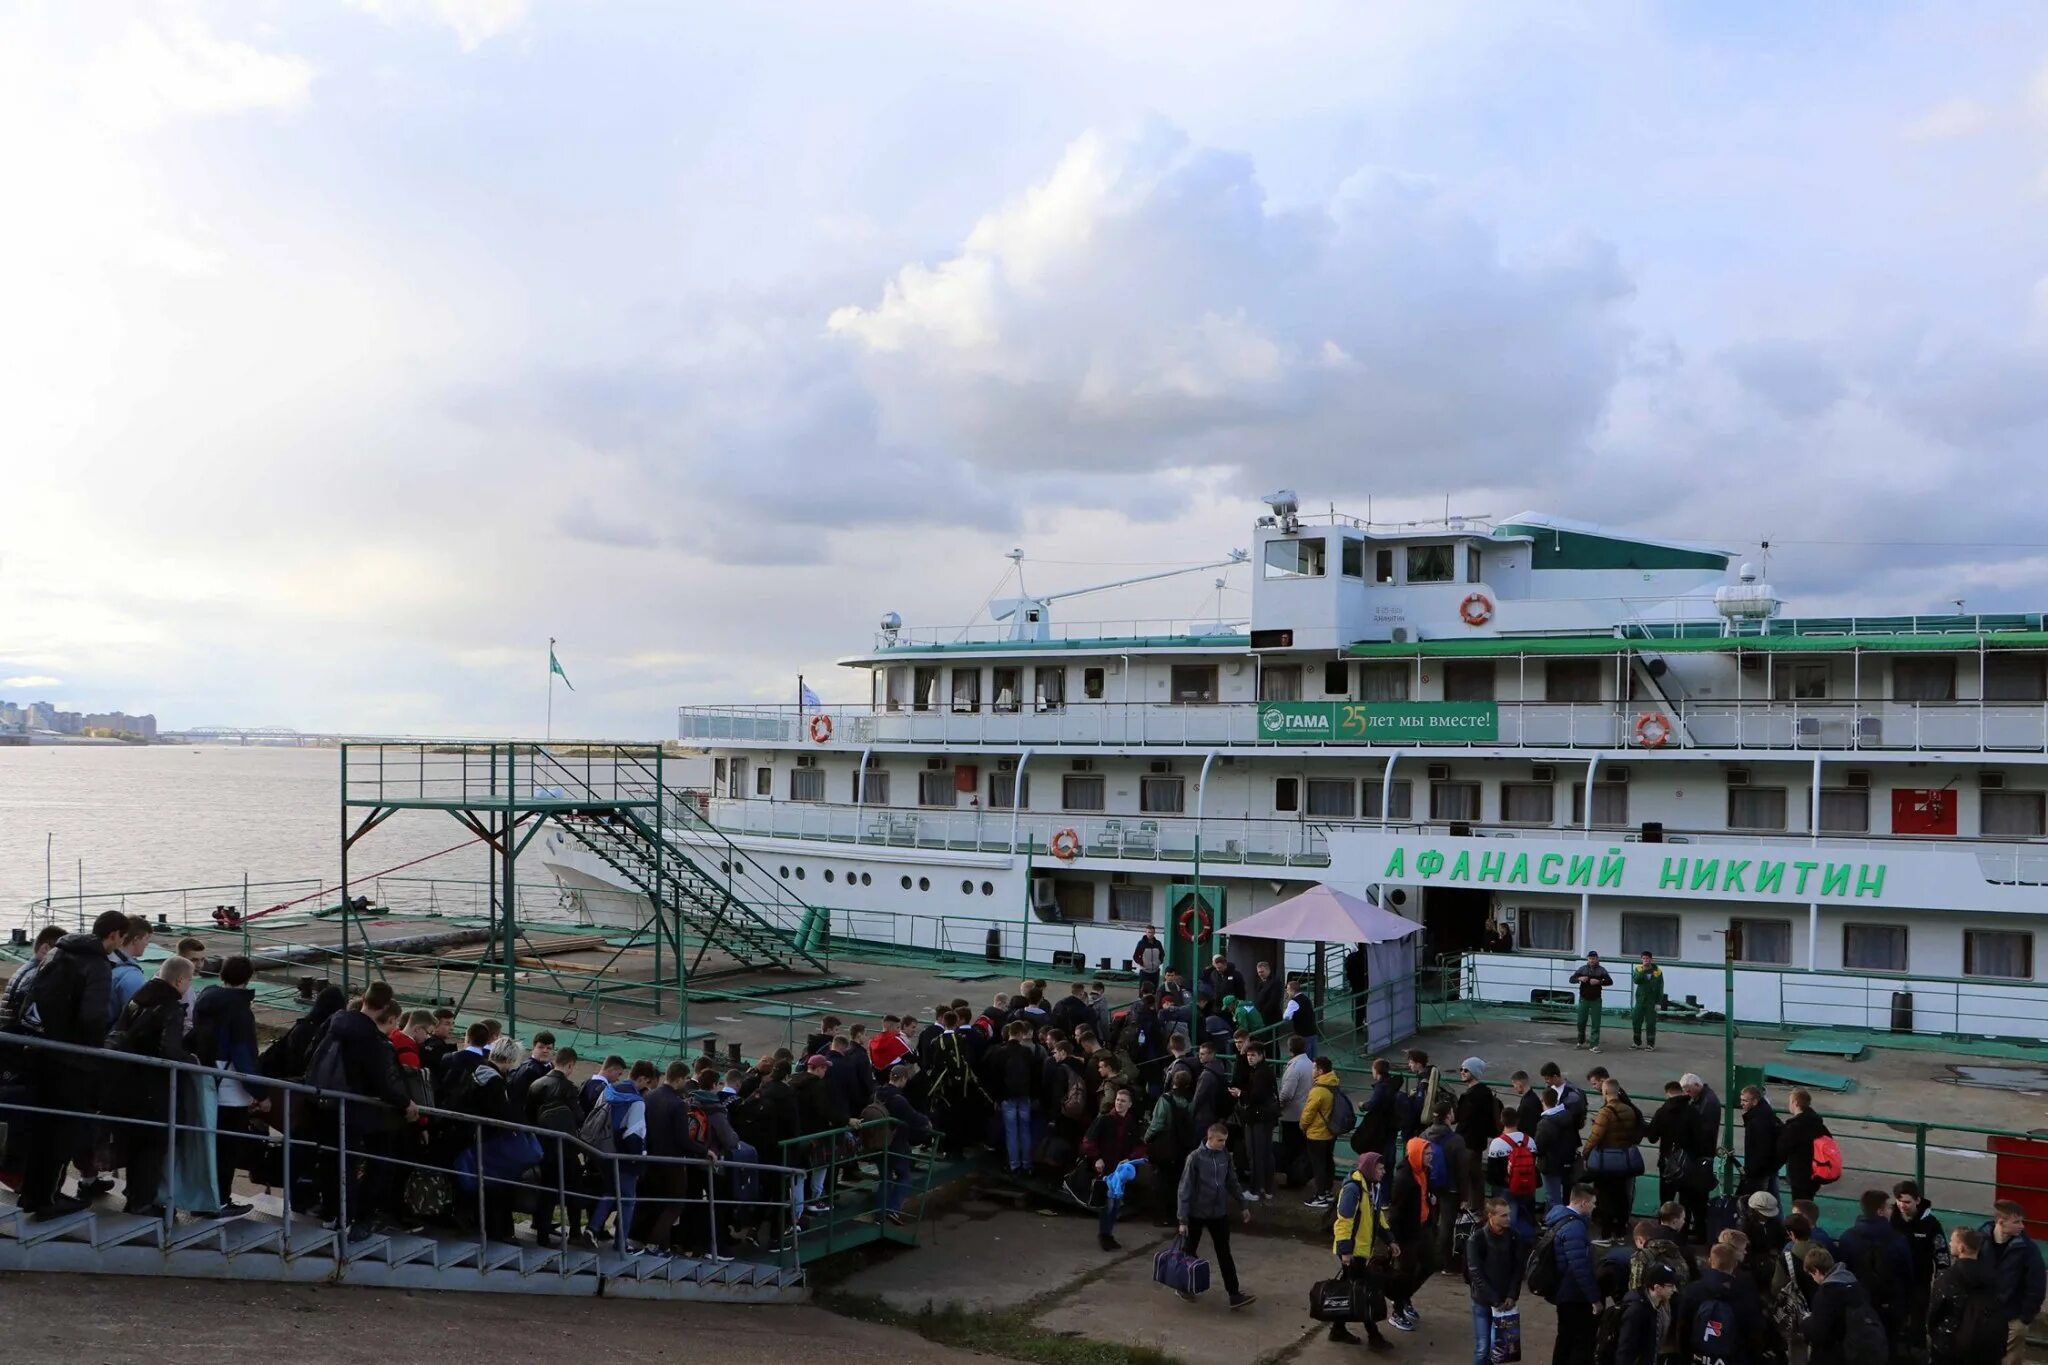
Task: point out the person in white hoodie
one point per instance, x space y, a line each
1294 1087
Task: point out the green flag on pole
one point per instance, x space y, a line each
555 667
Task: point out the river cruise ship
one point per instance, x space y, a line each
1532 736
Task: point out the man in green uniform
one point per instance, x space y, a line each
1648 980
1591 978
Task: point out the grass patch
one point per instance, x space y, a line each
1011 1335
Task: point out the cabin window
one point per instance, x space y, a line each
1527 803
1431 564
1845 810
876 790
1756 808
1008 789
1007 683
1049 688
1400 799
1091 683
1279 682
1642 933
1468 679
1545 931
2014 677
1295 558
966 689
736 780
1286 795
896 687
1081 791
1163 795
1874 947
1998 952
2011 813
1924 679
1802 680
1336 678
1764 941
925 689
807 784
764 781
1610 803
1567 680
1131 904
1075 898
1472 564
1354 557
1333 798
935 788
1383 566
1454 800
1196 684
1383 682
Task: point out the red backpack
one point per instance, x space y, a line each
1521 1165
1827 1160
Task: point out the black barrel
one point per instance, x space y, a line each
994 948
1653 831
1902 1011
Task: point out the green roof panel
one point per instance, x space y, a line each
1555 548
1553 645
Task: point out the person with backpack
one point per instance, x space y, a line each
1561 1270
1645 1315
1913 1219
1612 1159
1407 1207
1965 1313
1719 1319
1880 1260
1591 978
1760 1127
1379 1118
1110 1141
1511 1171
909 1131
663 1186
1256 1092
1212 1100
2016 1262
1496 1258
1557 1151
1325 1114
224 1037
1013 1072
151 1024
1798 1140
551 1104
616 1127
1170 1138
1671 1129
1295 1081
68 1003
1843 1328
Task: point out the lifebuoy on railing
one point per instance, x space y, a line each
1652 730
821 728
1476 609
1066 845
1194 924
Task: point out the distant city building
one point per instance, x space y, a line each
42 716
121 723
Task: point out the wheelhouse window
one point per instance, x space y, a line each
807 784
1468 679
1196 683
1295 557
1130 904
1845 810
2017 814
1432 564
1336 678
1277 682
1610 803
1756 808
1527 803
935 788
2014 677
1382 681
896 687
1091 683
1008 684
1998 952
1383 567
1542 930
925 689
1571 680
966 689
1454 800
1008 789
1049 688
1081 791
1400 799
1333 798
1354 557
1767 942
1473 564
1874 947
1924 679
1159 795
1644 933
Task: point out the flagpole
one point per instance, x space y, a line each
551 690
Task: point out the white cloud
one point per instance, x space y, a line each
475 22
32 680
160 72
1950 119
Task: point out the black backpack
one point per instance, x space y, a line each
1975 1331
1545 1275
1607 1336
1715 1333
1863 1336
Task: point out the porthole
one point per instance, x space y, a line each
988 888
967 888
725 867
785 871
828 874
799 874
906 882
867 879
924 883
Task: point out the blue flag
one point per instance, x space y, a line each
555 667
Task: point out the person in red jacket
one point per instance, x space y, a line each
1115 1137
890 1046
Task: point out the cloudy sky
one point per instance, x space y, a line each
350 350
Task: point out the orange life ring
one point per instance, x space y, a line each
821 727
1652 730
1194 924
1476 609
1066 845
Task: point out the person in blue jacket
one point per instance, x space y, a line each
2016 1263
1578 1290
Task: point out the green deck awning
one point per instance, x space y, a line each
1495 646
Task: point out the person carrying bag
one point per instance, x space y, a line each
1364 1247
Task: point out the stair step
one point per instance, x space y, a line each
122 1229
30 1232
498 1255
250 1233
404 1248
367 1248
199 1233
453 1255
309 1239
535 1260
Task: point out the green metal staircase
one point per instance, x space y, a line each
708 906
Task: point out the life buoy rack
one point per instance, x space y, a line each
821 728
1652 730
1194 924
1066 845
1476 609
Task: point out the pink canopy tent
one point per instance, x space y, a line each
1388 1014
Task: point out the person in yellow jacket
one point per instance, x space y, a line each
1318 1130
1361 1225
